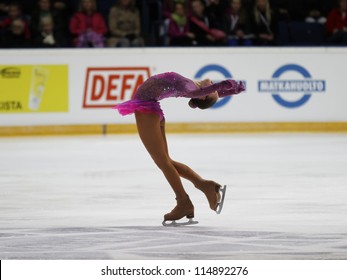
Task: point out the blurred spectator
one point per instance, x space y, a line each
14 11
88 26
65 7
215 11
315 11
125 25
44 9
179 32
15 36
47 36
238 25
336 24
3 8
200 27
263 23
169 6
26 5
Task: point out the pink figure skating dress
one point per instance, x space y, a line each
170 84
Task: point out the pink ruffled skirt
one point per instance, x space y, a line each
143 106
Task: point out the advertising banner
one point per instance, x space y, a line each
33 88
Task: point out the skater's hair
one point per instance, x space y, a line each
206 103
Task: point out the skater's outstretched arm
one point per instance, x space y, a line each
224 88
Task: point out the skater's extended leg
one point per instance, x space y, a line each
148 126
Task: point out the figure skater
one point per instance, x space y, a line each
150 123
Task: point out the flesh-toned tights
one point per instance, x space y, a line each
152 133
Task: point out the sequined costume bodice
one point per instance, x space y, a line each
165 85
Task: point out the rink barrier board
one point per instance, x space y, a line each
264 127
50 130
282 84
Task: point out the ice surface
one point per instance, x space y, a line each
103 198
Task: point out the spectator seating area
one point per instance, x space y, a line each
138 23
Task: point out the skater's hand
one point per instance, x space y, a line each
228 84
231 87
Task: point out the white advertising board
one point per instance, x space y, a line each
283 84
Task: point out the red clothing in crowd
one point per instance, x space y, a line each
336 21
177 31
81 22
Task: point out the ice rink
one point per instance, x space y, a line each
102 197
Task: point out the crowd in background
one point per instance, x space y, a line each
137 23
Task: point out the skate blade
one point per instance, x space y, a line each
220 204
175 224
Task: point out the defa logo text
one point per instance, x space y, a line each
106 87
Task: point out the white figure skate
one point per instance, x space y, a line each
184 208
220 204
179 224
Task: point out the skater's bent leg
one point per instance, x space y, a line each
184 171
187 173
148 126
208 187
